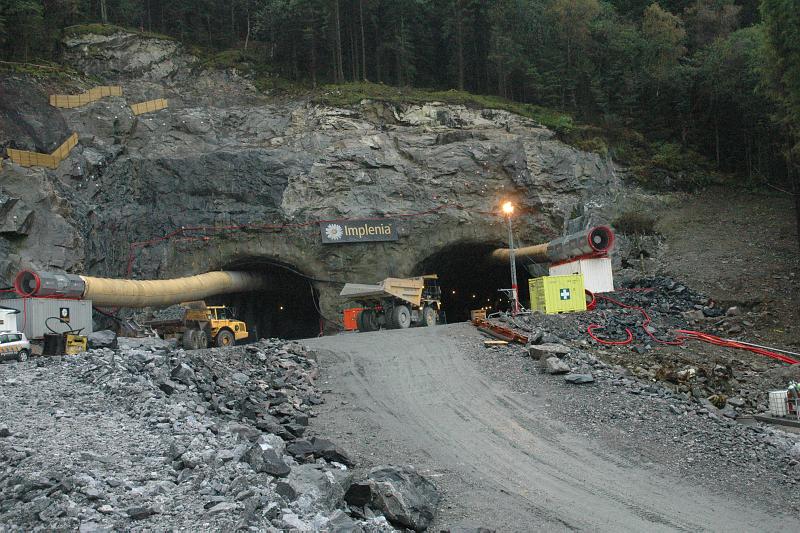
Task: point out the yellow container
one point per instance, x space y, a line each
75 344
558 294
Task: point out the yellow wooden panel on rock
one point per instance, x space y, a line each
34 159
149 106
69 101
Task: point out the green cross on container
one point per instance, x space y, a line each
565 295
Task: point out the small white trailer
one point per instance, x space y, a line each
36 314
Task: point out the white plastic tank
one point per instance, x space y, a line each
777 403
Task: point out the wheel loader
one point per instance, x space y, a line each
396 303
202 326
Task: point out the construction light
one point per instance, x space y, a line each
508 208
281 308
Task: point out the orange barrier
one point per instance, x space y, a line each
69 101
51 161
351 318
149 106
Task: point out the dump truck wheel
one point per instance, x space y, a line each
188 339
402 316
225 338
429 316
370 320
390 323
201 340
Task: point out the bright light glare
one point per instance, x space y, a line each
508 208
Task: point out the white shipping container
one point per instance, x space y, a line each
34 312
8 320
598 276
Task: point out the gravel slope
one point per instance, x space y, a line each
504 460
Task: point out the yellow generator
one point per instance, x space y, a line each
203 326
75 344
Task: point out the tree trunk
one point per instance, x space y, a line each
338 45
247 35
363 42
796 191
233 25
460 42
313 59
399 52
354 63
104 11
378 52
716 140
795 181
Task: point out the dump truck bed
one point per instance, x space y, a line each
409 290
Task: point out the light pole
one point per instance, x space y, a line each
508 210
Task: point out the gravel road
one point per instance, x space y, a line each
414 396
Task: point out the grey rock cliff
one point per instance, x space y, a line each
222 155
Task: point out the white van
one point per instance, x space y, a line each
14 344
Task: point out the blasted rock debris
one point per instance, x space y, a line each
149 436
737 381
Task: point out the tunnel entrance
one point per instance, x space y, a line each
287 309
471 279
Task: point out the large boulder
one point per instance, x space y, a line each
543 351
405 497
554 365
318 448
313 485
263 458
103 339
122 53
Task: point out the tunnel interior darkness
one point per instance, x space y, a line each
287 309
471 279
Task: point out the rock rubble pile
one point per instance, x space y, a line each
723 380
154 437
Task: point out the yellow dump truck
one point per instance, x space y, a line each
396 303
201 325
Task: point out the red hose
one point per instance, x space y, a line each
684 335
592 327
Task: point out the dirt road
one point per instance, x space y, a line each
413 396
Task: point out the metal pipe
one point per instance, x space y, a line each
135 293
596 240
513 260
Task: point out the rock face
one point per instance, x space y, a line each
223 156
128 54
